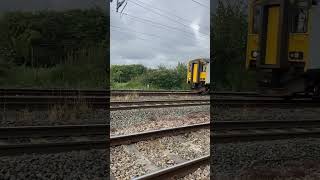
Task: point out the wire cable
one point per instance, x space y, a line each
200 4
159 25
173 20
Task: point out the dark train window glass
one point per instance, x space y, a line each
200 67
255 20
299 21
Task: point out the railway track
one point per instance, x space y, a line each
76 131
38 102
245 131
125 105
44 102
84 92
241 131
179 170
174 171
265 102
52 92
41 132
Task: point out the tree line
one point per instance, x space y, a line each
137 76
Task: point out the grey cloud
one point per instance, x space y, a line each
172 46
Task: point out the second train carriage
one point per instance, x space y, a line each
283 45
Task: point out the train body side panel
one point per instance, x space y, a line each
314 34
208 74
298 42
202 76
252 46
189 74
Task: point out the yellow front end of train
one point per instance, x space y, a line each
198 72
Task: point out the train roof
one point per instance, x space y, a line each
201 59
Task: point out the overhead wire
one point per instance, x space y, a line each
159 25
200 4
147 34
174 20
168 12
147 40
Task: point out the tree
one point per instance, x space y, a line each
229 36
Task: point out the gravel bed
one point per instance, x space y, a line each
265 113
128 118
163 122
235 159
148 156
69 165
202 173
291 170
54 116
124 165
168 151
150 98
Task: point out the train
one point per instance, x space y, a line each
283 46
198 74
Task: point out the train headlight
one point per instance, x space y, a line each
296 55
254 54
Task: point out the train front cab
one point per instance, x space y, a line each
197 73
281 38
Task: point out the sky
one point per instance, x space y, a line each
178 32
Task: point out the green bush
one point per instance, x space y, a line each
160 78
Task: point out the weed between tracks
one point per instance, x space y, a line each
129 97
67 112
55 112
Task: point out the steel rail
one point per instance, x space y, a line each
263 124
136 137
244 131
54 92
263 135
53 131
18 102
176 171
19 149
155 104
89 92
27 148
264 102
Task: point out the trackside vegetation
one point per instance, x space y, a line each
54 49
137 76
229 36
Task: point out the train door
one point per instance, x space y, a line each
195 74
273 34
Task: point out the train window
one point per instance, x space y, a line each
200 67
255 20
299 21
204 68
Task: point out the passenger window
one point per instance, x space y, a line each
204 68
300 21
200 67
